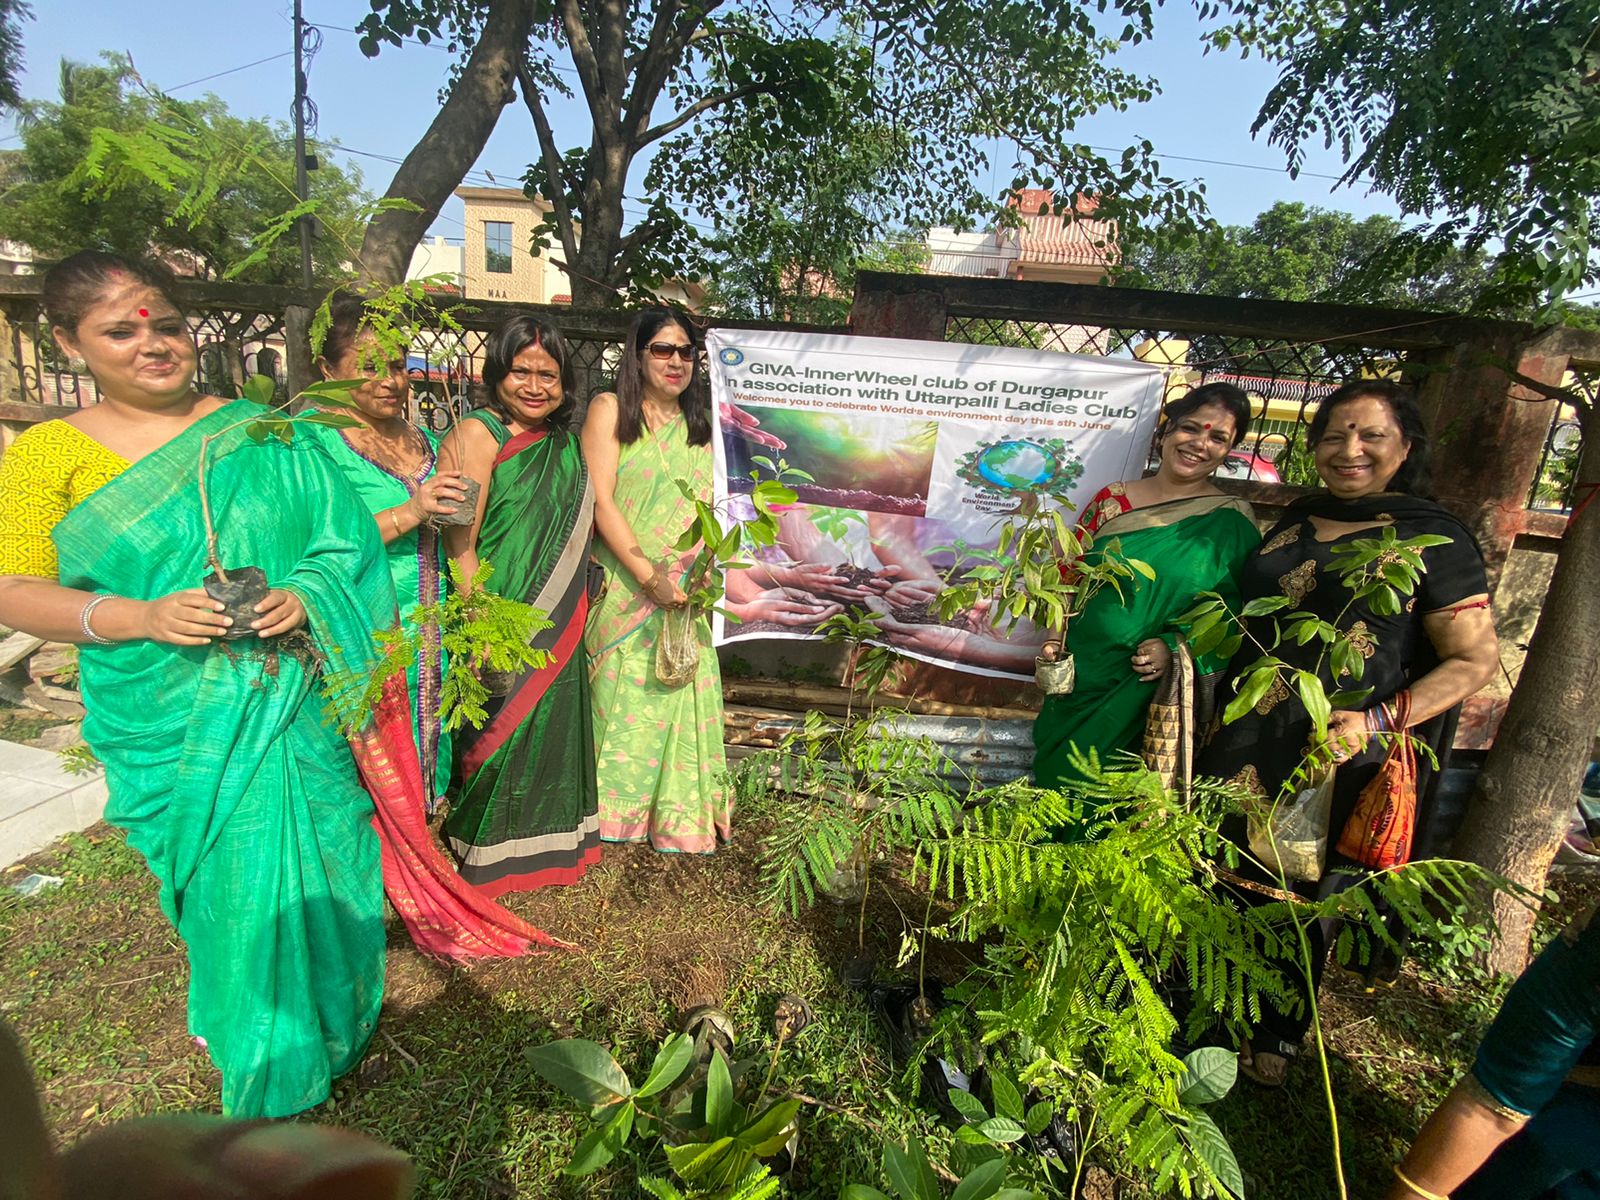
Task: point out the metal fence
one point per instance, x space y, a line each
1285 380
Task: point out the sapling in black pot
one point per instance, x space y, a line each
240 588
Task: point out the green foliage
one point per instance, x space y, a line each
484 634
1378 571
79 760
712 1126
1490 134
721 544
1294 251
12 14
1040 570
116 165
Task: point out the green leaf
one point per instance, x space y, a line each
1250 692
1002 1130
1143 568
982 1182
968 1105
1039 1115
600 1145
1314 698
1209 1073
768 1133
1264 605
719 1094
909 1173
1212 1148
1007 1099
258 431
692 1160
332 420
259 389
860 1191
670 1061
582 1069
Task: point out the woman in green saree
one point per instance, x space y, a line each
392 465
244 801
661 763
525 816
1195 538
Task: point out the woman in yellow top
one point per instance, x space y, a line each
221 768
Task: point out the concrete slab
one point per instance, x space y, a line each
39 801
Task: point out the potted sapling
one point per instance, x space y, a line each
1039 571
240 588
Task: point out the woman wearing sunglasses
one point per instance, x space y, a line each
658 747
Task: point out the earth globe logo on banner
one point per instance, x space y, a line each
1013 475
730 357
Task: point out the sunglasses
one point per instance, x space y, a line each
662 351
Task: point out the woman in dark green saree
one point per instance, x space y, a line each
1195 538
526 815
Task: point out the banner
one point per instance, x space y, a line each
907 456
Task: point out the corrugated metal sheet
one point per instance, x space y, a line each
990 750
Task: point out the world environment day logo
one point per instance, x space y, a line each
1017 468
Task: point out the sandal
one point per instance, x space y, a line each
1268 1062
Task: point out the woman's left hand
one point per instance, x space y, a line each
1347 734
1150 659
280 612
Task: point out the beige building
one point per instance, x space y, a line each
500 224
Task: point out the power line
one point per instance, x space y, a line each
231 71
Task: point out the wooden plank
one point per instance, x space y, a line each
785 697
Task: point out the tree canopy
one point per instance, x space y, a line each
12 14
54 206
1480 116
1298 252
946 78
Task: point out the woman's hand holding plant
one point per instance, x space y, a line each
439 494
1347 733
661 588
186 618
281 612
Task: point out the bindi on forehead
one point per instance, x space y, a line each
144 312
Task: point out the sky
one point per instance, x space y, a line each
375 109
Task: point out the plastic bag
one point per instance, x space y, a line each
1292 838
678 647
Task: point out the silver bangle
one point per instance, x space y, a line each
83 619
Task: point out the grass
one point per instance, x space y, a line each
94 980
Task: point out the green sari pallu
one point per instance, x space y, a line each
526 816
221 767
1193 546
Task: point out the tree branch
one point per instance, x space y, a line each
588 67
694 110
554 167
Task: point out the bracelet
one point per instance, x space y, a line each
1416 1187
83 619
395 521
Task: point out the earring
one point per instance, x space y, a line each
77 366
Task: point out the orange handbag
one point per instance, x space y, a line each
1379 831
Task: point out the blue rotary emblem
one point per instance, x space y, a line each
730 357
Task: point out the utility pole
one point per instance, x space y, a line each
302 182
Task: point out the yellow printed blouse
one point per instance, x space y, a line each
43 474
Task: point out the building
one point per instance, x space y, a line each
498 263
1036 243
438 257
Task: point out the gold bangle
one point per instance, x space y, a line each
395 521
1416 1187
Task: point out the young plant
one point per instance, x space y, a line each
272 423
721 543
482 633
709 1123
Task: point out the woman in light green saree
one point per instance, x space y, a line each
242 798
1194 538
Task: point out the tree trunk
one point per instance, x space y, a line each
1527 788
446 152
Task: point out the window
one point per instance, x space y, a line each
497 247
